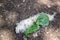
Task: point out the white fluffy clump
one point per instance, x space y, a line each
24 24
51 17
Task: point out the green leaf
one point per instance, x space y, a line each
31 29
42 19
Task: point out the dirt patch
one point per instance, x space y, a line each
13 11
6 34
